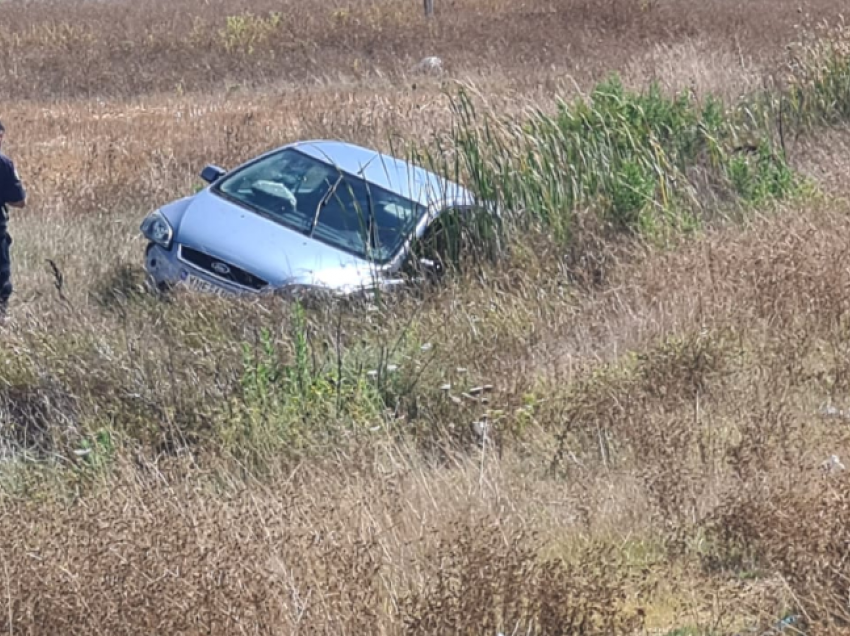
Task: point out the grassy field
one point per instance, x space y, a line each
624 426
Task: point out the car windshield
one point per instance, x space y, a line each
321 201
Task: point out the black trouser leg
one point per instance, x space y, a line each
5 268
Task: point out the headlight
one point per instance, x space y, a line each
157 229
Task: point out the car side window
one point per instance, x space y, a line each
456 234
441 242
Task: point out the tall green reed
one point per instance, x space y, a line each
643 162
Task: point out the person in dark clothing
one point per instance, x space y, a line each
12 194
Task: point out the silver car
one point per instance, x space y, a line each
310 215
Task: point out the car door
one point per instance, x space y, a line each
455 236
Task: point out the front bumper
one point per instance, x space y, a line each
166 270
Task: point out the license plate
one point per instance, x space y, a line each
200 285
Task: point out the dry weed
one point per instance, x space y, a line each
678 390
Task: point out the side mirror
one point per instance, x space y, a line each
212 173
430 267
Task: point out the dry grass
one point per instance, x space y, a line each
392 549
60 49
647 435
737 350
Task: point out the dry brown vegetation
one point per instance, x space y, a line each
121 48
654 448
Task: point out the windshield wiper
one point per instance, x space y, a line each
323 202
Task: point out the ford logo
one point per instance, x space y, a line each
220 268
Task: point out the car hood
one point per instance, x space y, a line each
265 248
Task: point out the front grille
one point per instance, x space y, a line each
234 275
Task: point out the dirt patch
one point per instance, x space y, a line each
39 419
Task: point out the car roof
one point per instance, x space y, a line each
388 172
